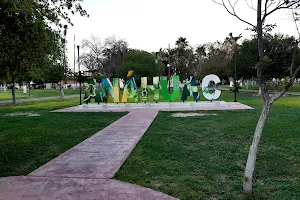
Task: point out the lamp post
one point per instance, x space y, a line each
79 74
234 40
169 66
235 83
74 63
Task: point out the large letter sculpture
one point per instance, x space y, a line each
92 91
113 90
164 88
144 89
205 83
190 89
130 90
156 88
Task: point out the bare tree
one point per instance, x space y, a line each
93 54
103 59
113 52
263 9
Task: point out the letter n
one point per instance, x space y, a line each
112 90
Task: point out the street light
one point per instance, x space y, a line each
167 64
234 40
169 69
79 74
169 76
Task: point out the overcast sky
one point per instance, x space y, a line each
152 24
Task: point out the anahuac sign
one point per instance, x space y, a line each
111 89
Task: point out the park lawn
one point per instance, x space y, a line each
204 157
35 93
294 88
26 142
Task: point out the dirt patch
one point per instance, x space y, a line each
192 114
28 114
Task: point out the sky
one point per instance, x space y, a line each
153 24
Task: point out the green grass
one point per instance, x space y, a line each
34 93
26 142
204 157
189 158
294 88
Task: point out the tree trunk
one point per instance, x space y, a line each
248 177
4 87
29 89
13 91
61 90
24 87
247 185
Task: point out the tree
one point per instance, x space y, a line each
264 9
142 62
182 43
103 60
93 55
23 43
216 58
183 59
25 34
113 52
200 56
278 47
163 58
55 69
246 59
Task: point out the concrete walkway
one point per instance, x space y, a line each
85 171
38 98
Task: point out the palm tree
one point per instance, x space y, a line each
182 42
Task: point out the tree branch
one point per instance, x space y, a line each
250 6
266 7
233 13
295 21
278 7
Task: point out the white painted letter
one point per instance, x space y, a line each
205 82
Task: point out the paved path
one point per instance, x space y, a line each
38 98
85 171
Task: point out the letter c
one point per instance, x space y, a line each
205 82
